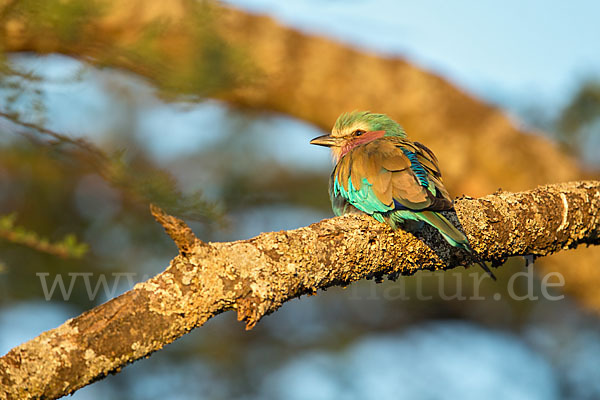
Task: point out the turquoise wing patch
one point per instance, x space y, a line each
362 198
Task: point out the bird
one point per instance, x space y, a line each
380 172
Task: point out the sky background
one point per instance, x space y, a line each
511 52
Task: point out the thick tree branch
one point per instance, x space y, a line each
256 276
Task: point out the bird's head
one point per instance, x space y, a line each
356 128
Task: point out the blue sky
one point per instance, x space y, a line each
511 52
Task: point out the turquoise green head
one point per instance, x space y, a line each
366 121
355 128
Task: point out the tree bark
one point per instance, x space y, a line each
256 276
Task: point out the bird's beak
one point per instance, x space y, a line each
326 140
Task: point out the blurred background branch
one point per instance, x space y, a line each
68 247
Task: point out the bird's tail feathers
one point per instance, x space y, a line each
452 235
483 266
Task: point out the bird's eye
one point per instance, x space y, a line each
358 132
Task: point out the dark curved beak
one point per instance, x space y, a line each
325 140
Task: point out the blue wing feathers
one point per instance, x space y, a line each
416 167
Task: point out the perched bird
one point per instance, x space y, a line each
380 172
